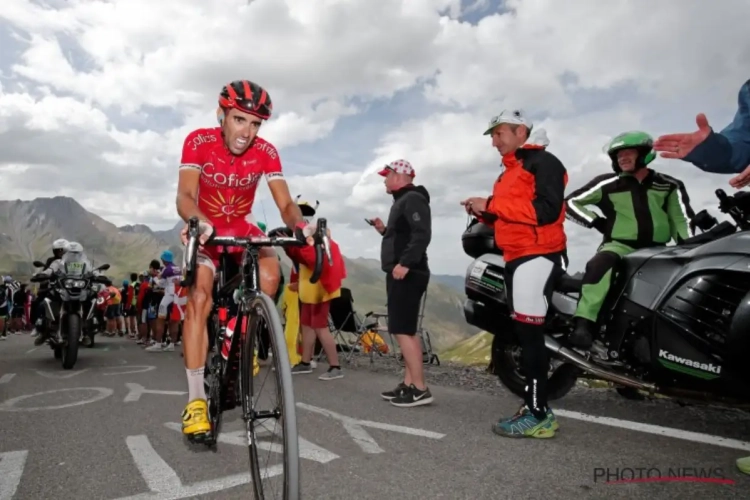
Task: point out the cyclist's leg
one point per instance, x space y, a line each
195 345
270 271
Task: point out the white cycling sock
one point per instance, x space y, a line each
196 390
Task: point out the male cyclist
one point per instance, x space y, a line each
640 208
527 211
219 175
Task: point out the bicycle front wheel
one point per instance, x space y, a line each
268 415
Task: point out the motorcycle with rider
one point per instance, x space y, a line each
645 316
69 303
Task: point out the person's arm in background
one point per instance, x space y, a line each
725 152
419 217
585 196
680 212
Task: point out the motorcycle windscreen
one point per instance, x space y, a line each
76 264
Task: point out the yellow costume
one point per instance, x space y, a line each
290 308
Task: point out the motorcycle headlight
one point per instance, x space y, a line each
72 283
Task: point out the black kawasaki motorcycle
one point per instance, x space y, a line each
69 304
676 321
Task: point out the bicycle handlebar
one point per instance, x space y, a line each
735 206
321 243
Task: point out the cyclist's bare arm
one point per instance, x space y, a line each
187 194
290 212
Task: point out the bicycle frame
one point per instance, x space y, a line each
250 288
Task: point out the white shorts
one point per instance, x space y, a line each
164 304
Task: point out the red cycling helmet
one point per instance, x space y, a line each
248 97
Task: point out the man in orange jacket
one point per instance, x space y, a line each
315 301
527 211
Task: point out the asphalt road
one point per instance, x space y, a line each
118 445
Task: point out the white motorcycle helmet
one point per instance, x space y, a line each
61 244
75 247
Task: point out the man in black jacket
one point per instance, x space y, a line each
403 257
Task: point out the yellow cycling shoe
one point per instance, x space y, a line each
195 418
256 365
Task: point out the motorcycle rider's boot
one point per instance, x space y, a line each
37 327
40 339
195 424
582 335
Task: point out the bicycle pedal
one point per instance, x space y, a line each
201 438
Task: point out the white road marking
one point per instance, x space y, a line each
164 483
11 470
137 390
7 378
61 374
355 428
132 369
307 450
658 430
31 350
10 404
159 476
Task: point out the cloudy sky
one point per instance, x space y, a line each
96 97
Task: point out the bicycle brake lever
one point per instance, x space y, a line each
323 237
327 248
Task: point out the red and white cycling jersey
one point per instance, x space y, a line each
228 183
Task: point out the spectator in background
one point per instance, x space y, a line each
19 308
141 307
403 257
114 313
724 153
130 319
315 301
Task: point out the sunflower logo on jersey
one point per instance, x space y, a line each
229 208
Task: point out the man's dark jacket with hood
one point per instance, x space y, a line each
408 231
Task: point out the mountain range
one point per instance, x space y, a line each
28 228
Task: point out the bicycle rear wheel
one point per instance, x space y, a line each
272 415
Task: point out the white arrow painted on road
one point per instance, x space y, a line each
61 374
137 390
307 450
163 482
11 470
355 428
7 378
132 369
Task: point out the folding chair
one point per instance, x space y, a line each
348 328
372 320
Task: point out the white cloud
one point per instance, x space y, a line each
84 64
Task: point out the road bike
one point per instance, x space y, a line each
232 359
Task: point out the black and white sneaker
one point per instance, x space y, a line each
301 368
394 393
413 397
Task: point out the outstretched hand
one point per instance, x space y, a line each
678 146
741 180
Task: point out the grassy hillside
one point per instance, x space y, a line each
472 351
